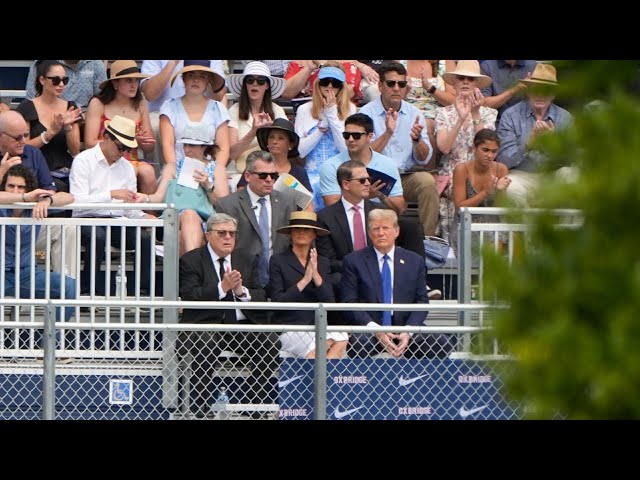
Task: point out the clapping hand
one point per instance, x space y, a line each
463 106
416 129
71 116
477 100
232 281
391 121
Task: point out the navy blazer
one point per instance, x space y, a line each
199 282
362 283
285 271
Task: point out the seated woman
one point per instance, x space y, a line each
197 144
301 275
121 95
476 182
281 141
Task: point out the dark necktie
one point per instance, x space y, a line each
386 289
359 241
263 223
229 296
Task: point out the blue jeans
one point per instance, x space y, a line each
55 287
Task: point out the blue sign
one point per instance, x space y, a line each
395 389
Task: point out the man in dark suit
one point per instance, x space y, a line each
364 281
247 207
213 273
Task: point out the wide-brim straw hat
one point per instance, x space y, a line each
303 220
217 81
124 129
468 68
279 124
235 81
123 69
543 74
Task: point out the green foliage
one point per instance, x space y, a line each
574 321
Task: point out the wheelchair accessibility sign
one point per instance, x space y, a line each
121 392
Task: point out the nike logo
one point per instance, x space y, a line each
407 381
464 413
284 383
338 414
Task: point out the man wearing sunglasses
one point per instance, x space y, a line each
102 175
260 210
220 272
14 150
401 134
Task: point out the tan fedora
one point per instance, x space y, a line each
303 220
123 69
468 68
124 129
217 81
544 74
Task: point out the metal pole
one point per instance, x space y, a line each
170 380
320 366
464 271
49 368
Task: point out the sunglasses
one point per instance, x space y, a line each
122 148
18 138
263 175
362 180
56 80
224 233
392 83
249 80
355 135
325 82
462 78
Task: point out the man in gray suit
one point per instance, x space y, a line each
260 211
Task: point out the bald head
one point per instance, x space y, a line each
12 125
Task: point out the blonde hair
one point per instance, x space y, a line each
342 98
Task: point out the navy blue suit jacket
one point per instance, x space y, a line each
362 283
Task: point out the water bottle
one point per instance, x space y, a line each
121 284
222 402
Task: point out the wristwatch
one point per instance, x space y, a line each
432 90
476 122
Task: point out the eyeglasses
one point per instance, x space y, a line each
56 80
224 233
392 83
355 135
22 137
264 175
362 180
462 78
248 80
325 82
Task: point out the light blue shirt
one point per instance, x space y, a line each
329 182
400 146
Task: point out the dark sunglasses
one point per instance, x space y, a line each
122 148
325 82
56 80
462 78
355 135
224 233
248 80
362 180
18 138
392 83
264 175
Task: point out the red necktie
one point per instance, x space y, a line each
359 241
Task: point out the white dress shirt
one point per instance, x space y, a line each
92 178
255 205
348 208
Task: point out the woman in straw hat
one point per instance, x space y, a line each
195 107
301 275
53 121
256 89
456 126
121 95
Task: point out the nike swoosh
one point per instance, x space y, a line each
464 413
338 414
407 381
284 383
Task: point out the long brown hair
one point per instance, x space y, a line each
342 99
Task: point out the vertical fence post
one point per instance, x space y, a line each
49 368
170 315
320 366
464 271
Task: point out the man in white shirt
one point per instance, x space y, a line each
102 175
